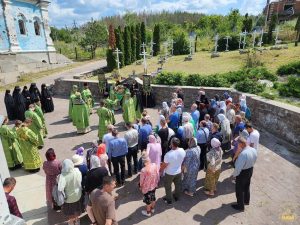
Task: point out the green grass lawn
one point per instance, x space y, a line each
202 63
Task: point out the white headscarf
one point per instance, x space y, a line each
68 168
161 117
223 106
165 106
186 117
243 103
215 143
221 117
95 162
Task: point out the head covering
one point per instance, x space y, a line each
213 103
229 99
101 150
165 105
95 162
221 117
152 139
188 130
201 92
243 103
244 133
77 160
223 105
79 151
50 154
215 143
67 166
193 143
226 95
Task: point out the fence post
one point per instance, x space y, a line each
76 54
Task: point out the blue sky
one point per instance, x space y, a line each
64 12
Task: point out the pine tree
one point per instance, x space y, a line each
247 23
111 37
138 41
120 45
111 60
271 27
143 33
127 46
133 43
156 40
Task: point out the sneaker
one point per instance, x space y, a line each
145 213
167 202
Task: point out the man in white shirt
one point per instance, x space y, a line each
253 138
172 166
131 137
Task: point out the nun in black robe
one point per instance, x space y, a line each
20 105
46 99
34 93
10 105
27 96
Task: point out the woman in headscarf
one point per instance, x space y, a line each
27 96
52 168
214 163
191 166
69 182
188 130
10 105
94 177
245 108
154 150
174 98
46 99
78 162
223 107
34 93
20 106
165 110
225 131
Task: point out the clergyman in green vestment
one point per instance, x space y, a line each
80 115
38 110
29 147
128 107
37 125
88 97
72 97
11 146
106 117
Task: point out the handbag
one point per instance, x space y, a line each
58 196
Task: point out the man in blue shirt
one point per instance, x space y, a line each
243 173
174 119
239 126
144 132
195 114
117 151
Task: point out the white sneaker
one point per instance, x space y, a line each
145 213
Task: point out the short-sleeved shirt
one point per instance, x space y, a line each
131 136
103 206
239 127
254 139
174 120
174 158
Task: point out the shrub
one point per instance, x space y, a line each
261 73
291 88
168 78
233 43
289 69
250 86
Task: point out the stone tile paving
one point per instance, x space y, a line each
275 186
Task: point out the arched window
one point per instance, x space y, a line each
22 26
22 22
37 28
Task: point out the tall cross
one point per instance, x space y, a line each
172 42
118 52
227 42
261 38
144 54
240 41
216 39
244 41
254 37
191 46
151 47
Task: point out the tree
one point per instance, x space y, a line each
138 42
133 43
111 60
111 37
247 23
120 45
297 29
95 35
233 19
181 45
156 40
271 27
143 33
127 46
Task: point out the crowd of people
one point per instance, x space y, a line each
173 150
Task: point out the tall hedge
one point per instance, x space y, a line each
138 42
111 60
133 43
181 45
127 46
143 33
156 40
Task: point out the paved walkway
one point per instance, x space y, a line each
275 186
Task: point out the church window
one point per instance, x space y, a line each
37 28
22 27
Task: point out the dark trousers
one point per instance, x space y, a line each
203 160
132 154
168 180
242 187
117 163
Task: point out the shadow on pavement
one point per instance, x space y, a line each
64 135
215 216
64 121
